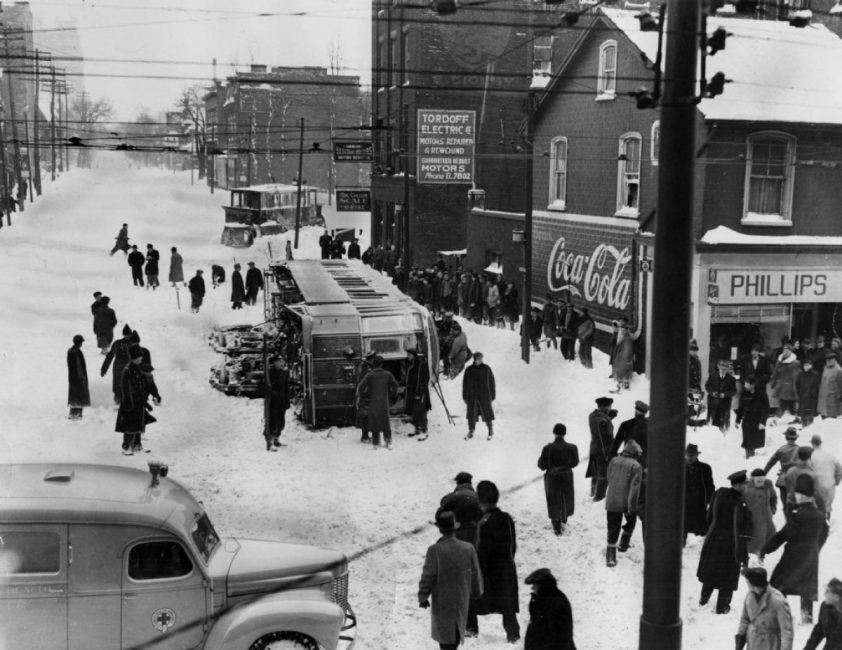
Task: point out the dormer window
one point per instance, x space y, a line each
606 84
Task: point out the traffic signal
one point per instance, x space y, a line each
716 85
716 41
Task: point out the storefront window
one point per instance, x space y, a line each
628 175
769 177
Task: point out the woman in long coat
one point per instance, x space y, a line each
78 395
797 572
724 549
133 416
752 413
762 502
622 361
176 267
496 548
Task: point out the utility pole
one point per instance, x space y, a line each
15 140
7 199
300 173
212 159
660 623
526 299
407 228
35 172
28 156
52 122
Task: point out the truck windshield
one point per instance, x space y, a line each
204 536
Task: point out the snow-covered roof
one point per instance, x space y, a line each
723 235
779 73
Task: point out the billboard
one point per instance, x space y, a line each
352 151
446 143
353 200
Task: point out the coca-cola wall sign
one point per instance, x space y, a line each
590 263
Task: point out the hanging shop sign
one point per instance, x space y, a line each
353 200
599 275
446 143
352 151
748 286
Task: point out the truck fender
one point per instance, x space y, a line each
241 626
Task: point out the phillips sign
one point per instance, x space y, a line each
601 276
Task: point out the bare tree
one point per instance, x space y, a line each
276 101
91 117
192 107
334 55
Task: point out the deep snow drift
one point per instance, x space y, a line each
324 488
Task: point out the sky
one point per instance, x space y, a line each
128 42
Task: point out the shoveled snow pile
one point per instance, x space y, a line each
324 488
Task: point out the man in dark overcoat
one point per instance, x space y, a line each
278 393
829 625
478 392
637 429
725 551
238 288
196 286
757 367
361 402
599 452
694 368
105 320
378 387
119 354
133 416
720 387
136 261
752 415
496 548
807 386
418 392
451 577
557 461
804 534
698 491
78 395
121 242
254 283
326 245
354 250
550 615
568 323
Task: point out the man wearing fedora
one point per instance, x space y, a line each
378 387
724 551
829 403
418 392
278 396
451 578
721 387
766 622
78 395
786 455
637 429
805 532
361 401
557 461
599 452
463 502
698 491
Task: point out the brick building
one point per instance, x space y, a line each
768 254
256 116
477 62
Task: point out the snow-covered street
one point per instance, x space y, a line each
324 487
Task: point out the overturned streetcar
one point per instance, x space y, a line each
340 310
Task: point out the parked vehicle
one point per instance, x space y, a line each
268 209
95 556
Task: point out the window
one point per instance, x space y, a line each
558 173
406 56
656 142
628 175
28 552
606 85
542 55
770 168
395 59
158 560
203 533
383 62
